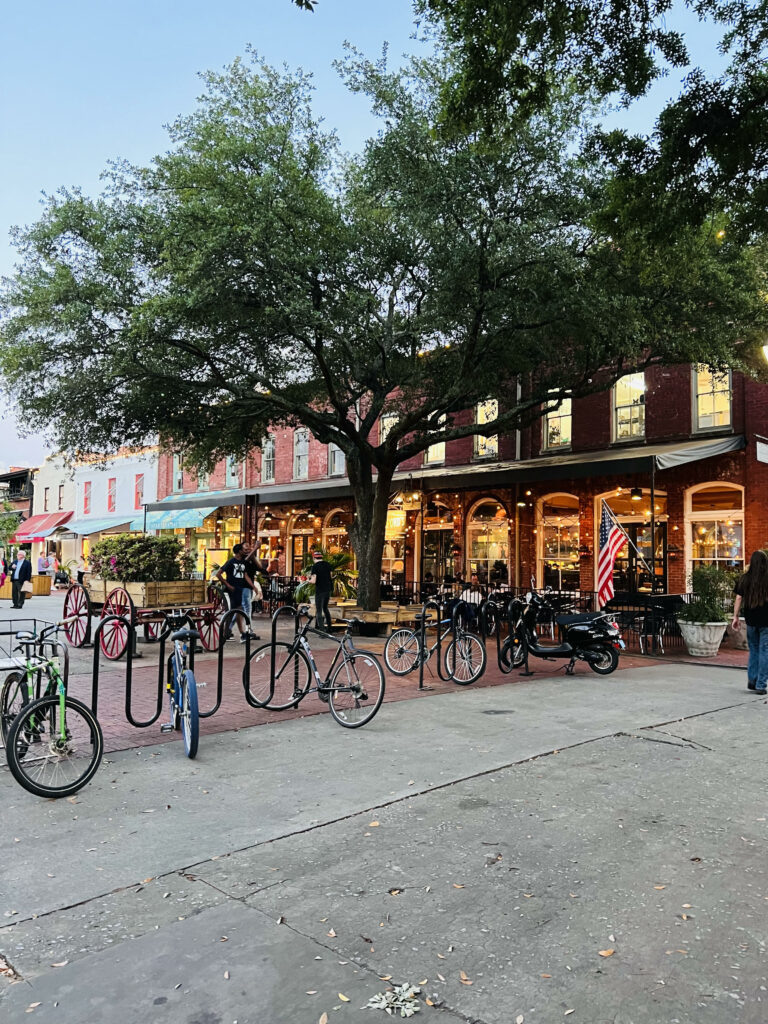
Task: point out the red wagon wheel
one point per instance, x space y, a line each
113 638
208 620
77 603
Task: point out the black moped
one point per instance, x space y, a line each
585 636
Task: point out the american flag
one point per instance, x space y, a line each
612 539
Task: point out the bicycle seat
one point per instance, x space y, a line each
26 637
185 634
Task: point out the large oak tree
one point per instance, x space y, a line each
252 275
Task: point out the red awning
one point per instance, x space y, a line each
39 527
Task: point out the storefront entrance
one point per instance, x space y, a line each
630 575
438 554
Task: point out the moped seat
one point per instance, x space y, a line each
570 620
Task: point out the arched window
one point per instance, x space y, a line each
336 530
714 514
558 541
488 542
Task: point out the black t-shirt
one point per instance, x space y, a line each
322 575
754 616
234 573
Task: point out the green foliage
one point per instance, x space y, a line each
712 590
9 523
342 575
140 559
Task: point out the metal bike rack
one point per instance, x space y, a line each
457 610
286 609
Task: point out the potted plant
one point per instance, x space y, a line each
342 576
703 619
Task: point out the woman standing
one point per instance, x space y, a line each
752 595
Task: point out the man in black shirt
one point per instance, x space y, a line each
320 575
240 586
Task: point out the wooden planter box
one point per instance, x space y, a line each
168 593
41 587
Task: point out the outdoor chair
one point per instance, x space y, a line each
650 628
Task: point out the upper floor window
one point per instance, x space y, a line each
138 490
203 480
177 473
712 398
46 498
301 454
629 407
86 497
486 412
557 426
436 452
61 497
268 459
337 461
111 494
387 421
233 471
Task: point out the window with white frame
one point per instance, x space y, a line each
712 398
177 473
112 494
629 407
337 461
715 523
46 498
203 480
557 426
301 454
268 459
436 452
486 412
386 422
233 471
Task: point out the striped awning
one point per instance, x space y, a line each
39 527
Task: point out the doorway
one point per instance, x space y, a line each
630 575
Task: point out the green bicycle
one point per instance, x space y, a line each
53 742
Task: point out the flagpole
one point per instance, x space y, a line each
629 540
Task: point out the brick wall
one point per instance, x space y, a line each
668 391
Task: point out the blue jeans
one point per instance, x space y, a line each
240 600
757 669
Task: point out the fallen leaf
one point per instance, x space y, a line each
467 982
312 992
463 976
62 963
606 952
568 1011
545 975
226 975
343 998
455 886
369 941
441 957
440 976
385 977
373 824
323 1019
687 906
528 895
519 1019
429 1002
394 892
659 887
331 934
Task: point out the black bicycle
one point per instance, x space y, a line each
279 675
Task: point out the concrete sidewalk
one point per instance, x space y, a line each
297 861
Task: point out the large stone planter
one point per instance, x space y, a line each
737 641
702 639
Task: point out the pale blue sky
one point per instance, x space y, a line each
88 81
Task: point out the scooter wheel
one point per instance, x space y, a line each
606 660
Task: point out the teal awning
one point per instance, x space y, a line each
93 524
179 519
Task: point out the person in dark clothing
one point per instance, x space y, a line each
751 593
320 575
21 572
235 577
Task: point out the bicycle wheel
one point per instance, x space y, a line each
401 652
13 696
190 714
292 677
357 690
470 659
53 757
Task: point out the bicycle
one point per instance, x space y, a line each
352 687
53 743
181 685
465 656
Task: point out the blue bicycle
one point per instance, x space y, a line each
181 685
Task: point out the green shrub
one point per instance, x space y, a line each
712 590
126 559
342 576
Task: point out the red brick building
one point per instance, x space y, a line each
680 455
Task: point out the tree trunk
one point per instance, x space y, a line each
367 533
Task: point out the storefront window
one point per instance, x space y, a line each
393 558
559 540
302 541
716 527
488 542
638 561
336 531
